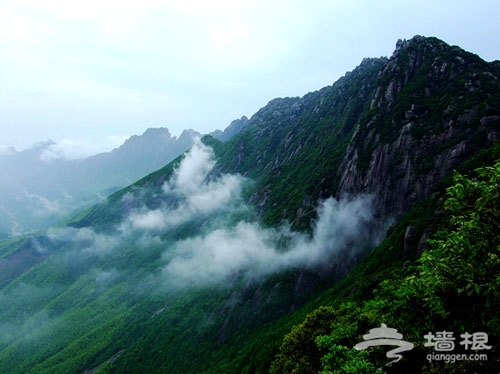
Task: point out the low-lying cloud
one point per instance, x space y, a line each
221 240
190 194
41 205
148 220
85 241
199 194
225 244
74 149
253 251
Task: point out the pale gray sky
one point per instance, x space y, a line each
88 73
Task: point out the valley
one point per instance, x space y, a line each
276 247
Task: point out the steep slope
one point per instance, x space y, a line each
433 107
392 128
176 273
294 146
415 286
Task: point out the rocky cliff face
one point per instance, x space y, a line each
292 147
433 107
393 127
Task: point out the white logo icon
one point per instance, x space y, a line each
384 335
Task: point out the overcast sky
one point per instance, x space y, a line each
89 73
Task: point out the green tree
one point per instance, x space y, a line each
299 353
462 269
454 284
344 360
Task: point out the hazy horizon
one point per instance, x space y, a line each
89 75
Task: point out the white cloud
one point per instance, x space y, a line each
215 194
150 220
192 194
18 28
71 149
85 241
105 278
225 244
196 193
42 205
210 259
193 170
253 251
7 151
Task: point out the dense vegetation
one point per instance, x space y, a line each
453 286
95 293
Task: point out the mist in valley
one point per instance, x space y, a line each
49 182
201 235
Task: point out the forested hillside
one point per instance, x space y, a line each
277 250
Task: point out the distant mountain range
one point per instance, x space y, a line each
38 191
278 249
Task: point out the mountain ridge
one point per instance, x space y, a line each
40 180
255 217
420 137
414 125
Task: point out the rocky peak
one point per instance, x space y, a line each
393 127
188 136
161 133
433 105
150 136
235 127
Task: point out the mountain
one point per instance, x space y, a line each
234 128
279 248
138 156
391 127
434 106
42 189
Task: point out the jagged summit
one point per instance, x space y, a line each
420 40
234 128
189 134
150 137
427 97
159 132
395 124
113 289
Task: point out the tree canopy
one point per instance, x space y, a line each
453 286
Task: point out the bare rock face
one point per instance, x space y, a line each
395 175
430 111
392 127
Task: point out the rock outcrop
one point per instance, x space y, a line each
393 127
234 128
434 106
